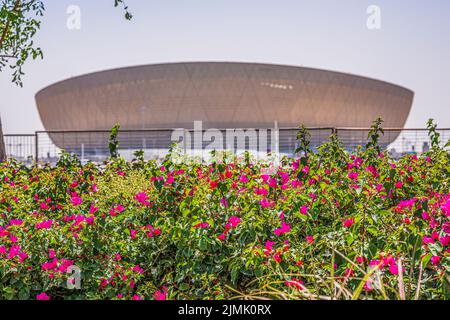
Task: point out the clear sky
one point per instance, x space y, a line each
411 49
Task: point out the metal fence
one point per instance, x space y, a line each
45 146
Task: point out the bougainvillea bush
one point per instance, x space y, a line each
325 225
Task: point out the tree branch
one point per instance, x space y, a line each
8 22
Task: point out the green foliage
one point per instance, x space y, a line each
128 15
114 141
20 20
374 135
303 140
435 137
339 226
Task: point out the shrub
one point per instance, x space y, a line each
334 225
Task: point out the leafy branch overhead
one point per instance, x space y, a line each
20 20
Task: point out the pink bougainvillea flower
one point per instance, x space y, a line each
310 239
43 206
426 240
294 282
202 225
13 251
42 296
224 202
393 268
368 285
213 184
445 241
435 260
285 228
277 257
360 260
446 208
137 297
76 200
304 210
261 191
234 221
268 247
13 238
347 223
16 222
399 185
243 179
160 294
142 198
44 224
353 176
22 256
133 234
51 253
273 183
93 209
222 236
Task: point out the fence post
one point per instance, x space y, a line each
36 147
3 155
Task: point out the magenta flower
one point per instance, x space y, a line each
44 224
202 225
222 236
224 202
304 210
142 197
160 295
285 228
16 222
273 183
234 221
268 246
353 176
93 209
42 296
243 179
310 239
76 201
294 282
277 258
348 222
435 260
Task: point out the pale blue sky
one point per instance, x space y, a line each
412 49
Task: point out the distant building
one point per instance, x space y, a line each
222 95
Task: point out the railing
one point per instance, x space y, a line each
45 146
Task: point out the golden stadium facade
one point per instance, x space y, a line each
221 95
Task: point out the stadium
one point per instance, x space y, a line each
223 95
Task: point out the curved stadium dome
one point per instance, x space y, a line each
222 95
